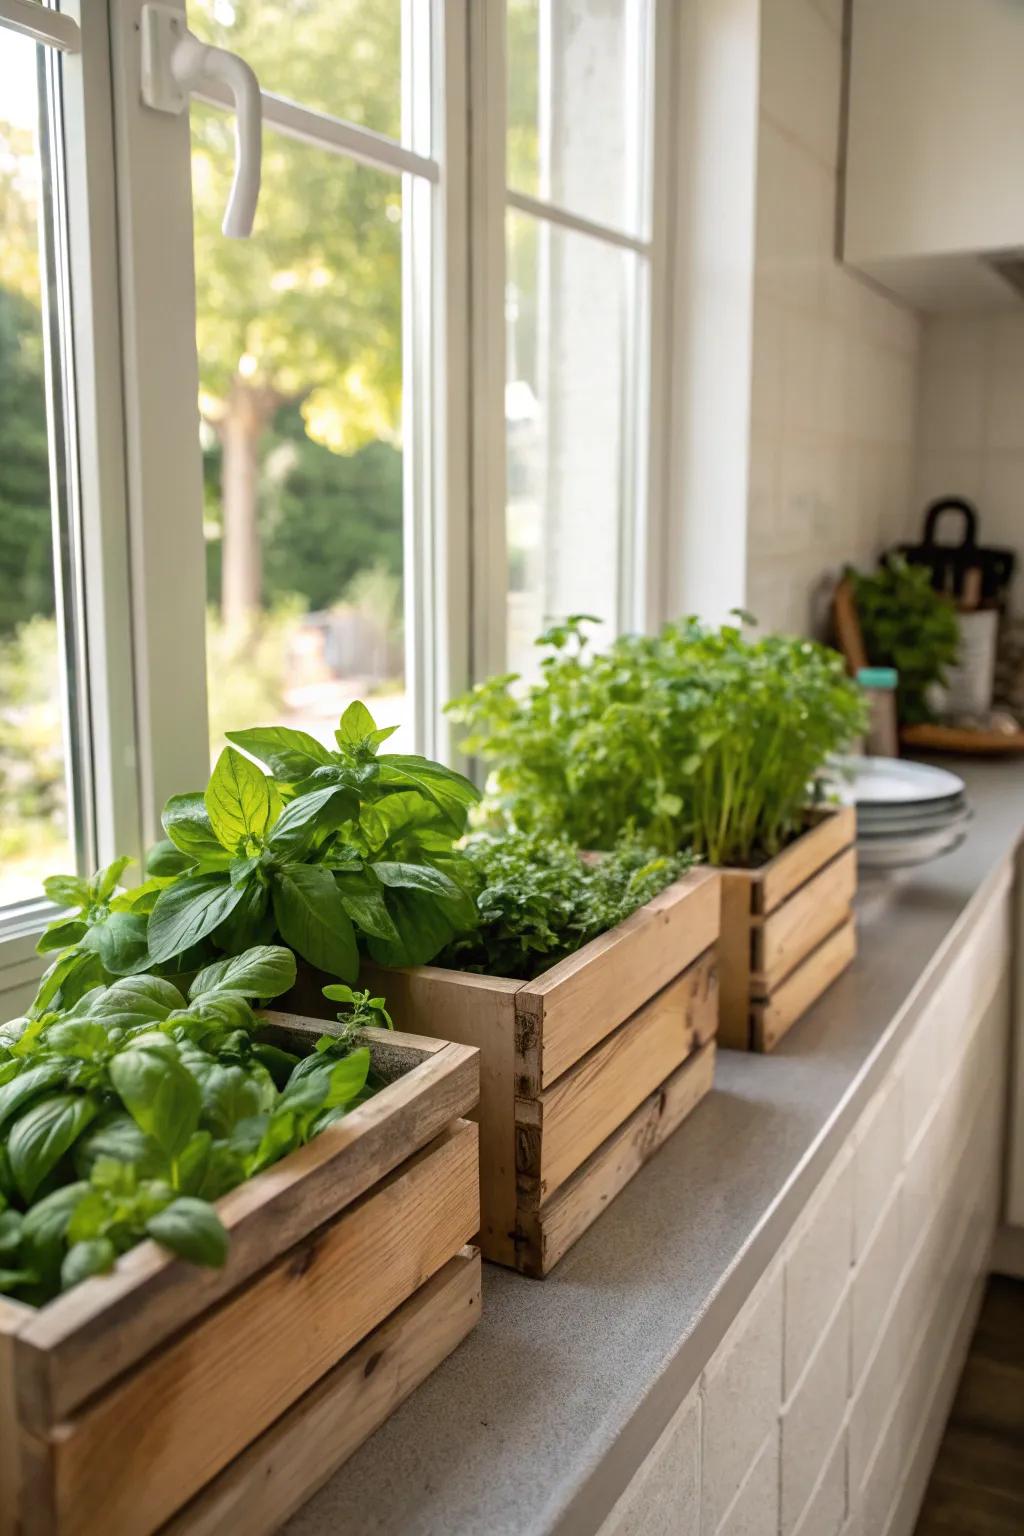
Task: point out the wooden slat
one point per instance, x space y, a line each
575 1004
81 1342
286 1465
577 1113
477 1011
791 1000
13 1316
798 925
781 876
129 1460
734 962
547 1234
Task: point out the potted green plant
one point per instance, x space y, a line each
212 1222
697 737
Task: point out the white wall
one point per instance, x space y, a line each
833 396
971 427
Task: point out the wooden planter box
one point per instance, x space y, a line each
583 1072
787 931
172 1398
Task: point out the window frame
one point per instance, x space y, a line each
91 567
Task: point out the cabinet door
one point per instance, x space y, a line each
936 129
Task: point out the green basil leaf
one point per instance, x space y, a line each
13 1280
105 883
95 1256
417 877
237 800
290 755
61 935
303 818
192 1229
165 861
69 978
44 1230
162 1097
66 890
40 1137
265 971
131 1001
188 827
187 911
363 900
11 1223
82 1038
116 1136
453 794
120 942
231 1094
323 1083
355 725
423 929
312 919
14 1095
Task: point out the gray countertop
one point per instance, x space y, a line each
539 1420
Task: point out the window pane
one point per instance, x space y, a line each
579 107
569 390
343 57
300 355
36 835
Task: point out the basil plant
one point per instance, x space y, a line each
331 850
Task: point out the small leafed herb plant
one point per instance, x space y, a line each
695 737
906 624
539 901
129 1113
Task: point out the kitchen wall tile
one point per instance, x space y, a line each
800 67
664 1497
817 1269
813 1418
740 1396
755 1509
835 361
877 1159
826 1509
874 1395
875 1282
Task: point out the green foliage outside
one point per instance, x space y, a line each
906 624
695 737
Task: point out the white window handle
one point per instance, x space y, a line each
175 63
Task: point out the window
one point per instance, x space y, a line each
578 255
304 370
369 451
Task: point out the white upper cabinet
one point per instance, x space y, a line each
935 149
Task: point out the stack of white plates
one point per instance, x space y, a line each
907 813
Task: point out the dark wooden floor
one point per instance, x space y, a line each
977 1483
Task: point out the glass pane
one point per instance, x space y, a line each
568 390
579 107
35 814
343 57
300 357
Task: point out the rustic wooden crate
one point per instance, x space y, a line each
168 1397
787 931
584 1071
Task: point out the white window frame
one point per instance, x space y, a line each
644 591
98 647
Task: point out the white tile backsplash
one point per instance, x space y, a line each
817 1269
834 378
813 1419
664 1498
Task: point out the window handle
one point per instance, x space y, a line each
174 64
